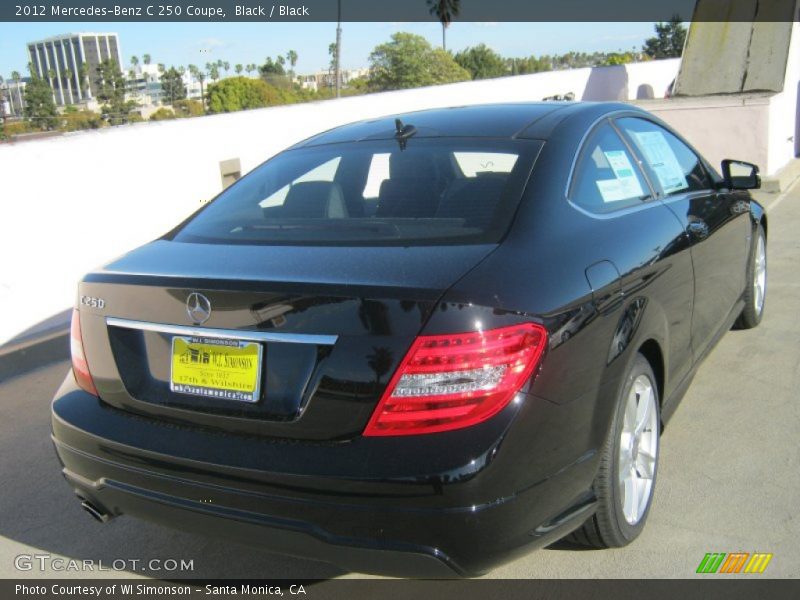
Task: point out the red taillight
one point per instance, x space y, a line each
79 365
453 381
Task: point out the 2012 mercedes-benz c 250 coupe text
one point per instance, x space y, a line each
419 345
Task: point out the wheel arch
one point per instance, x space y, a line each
652 352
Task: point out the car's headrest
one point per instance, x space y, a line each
473 199
411 165
315 200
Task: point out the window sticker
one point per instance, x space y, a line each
625 185
659 154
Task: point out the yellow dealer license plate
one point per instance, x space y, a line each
216 368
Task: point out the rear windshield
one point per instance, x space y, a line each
434 191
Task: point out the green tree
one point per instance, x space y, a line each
238 69
669 40
241 93
76 120
226 66
146 58
40 108
163 114
51 75
83 78
200 76
17 78
332 56
291 56
482 62
188 108
67 74
271 67
172 85
444 10
618 58
273 73
409 61
111 92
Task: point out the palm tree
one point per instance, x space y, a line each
227 66
131 82
250 68
51 74
212 70
83 77
68 76
444 10
291 56
16 77
134 61
238 68
201 77
338 57
146 59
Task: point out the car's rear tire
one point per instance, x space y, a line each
755 292
626 478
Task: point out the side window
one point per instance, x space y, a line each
675 166
606 177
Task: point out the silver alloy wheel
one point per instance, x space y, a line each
638 449
760 275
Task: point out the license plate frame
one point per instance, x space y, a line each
203 374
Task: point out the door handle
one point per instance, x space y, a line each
698 229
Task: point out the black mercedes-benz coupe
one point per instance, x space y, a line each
419 345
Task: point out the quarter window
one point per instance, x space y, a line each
675 166
607 177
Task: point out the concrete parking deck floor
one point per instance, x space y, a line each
729 477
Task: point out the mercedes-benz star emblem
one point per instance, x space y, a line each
198 307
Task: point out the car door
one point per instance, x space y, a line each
639 239
716 224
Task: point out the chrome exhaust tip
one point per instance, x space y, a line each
99 515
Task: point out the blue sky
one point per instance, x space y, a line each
199 43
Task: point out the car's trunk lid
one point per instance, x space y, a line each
333 323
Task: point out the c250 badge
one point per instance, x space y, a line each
93 302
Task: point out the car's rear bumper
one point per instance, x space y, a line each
460 523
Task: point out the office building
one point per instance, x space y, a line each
69 63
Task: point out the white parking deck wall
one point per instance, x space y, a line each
784 132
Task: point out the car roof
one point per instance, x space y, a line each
529 120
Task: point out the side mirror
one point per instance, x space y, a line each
740 175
